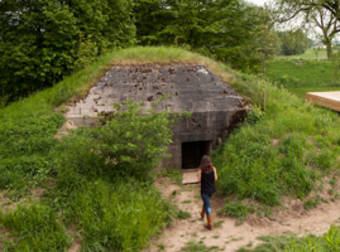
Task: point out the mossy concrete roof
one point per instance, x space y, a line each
186 88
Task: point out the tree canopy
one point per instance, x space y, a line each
229 30
42 41
293 42
324 14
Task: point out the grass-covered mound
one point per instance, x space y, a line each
97 180
284 148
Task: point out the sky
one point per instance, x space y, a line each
258 2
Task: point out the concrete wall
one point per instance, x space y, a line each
216 108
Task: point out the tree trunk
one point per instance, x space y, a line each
329 49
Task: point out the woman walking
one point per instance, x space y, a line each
207 175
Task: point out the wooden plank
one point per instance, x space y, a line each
190 176
326 99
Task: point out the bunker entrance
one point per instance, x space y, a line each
192 153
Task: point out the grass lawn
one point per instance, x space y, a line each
301 92
310 54
303 73
309 72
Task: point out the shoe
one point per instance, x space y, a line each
209 225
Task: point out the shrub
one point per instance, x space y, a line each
127 145
255 115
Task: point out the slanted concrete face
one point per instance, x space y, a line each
216 108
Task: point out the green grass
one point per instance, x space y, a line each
303 73
301 92
183 215
329 242
309 72
310 54
34 228
122 216
198 247
236 209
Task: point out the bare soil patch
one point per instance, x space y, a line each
229 234
8 204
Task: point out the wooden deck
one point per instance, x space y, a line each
329 100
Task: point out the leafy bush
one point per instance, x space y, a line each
254 115
127 145
34 228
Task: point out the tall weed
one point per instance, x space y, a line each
34 228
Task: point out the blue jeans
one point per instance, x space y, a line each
206 203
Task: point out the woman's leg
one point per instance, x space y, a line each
207 208
202 212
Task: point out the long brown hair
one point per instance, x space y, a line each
206 165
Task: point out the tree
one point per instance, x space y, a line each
328 24
42 40
229 30
293 42
325 14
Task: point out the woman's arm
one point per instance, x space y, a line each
199 174
215 173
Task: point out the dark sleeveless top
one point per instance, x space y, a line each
208 183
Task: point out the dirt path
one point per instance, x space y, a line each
228 236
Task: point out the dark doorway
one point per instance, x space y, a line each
192 153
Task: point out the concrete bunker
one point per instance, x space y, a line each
215 107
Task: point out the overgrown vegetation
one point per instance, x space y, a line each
97 180
291 146
35 228
102 184
328 242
